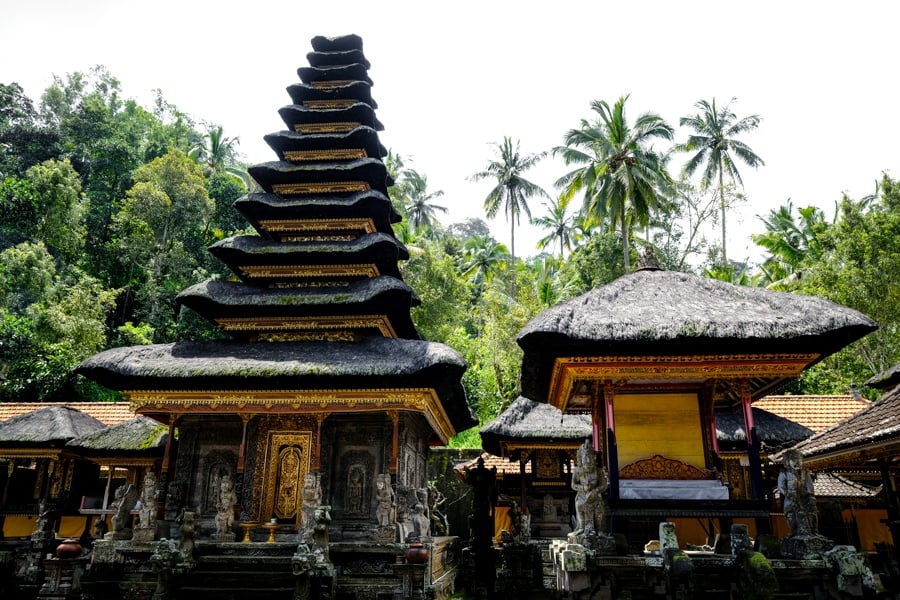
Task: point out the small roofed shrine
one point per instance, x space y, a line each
314 422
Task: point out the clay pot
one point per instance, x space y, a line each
68 548
416 554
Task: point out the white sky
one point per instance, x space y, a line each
453 77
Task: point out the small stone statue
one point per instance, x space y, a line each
187 530
421 522
386 510
796 488
311 497
590 483
225 507
147 510
439 524
126 498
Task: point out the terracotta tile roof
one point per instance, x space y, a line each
814 412
503 465
831 485
108 413
875 426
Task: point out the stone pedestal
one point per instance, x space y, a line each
144 534
412 581
62 579
803 547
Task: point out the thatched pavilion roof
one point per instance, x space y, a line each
653 312
139 435
527 420
51 426
774 431
373 363
885 379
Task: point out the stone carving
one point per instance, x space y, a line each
188 530
312 498
439 522
799 503
519 526
43 526
125 500
355 483
590 482
174 499
225 509
421 522
386 511
164 562
147 509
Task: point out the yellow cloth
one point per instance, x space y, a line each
501 521
18 526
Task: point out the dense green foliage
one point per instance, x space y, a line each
107 208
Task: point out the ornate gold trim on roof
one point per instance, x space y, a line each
330 104
419 400
296 156
568 371
334 127
327 85
264 271
317 225
325 187
270 324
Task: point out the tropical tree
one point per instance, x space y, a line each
716 147
483 256
562 225
512 190
793 244
618 172
420 212
218 152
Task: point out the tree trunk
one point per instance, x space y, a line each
722 201
626 250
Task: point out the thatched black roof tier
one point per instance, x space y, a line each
886 379
369 171
360 91
141 435
772 430
359 113
241 252
371 205
529 421
51 426
662 313
219 300
333 58
354 72
339 43
371 364
362 138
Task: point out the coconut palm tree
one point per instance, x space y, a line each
715 148
512 191
218 152
619 173
562 226
420 212
482 257
792 243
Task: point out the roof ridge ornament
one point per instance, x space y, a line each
648 261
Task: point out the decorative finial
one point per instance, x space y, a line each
648 261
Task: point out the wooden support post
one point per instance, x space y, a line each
523 460
753 460
167 454
395 441
317 453
611 456
242 450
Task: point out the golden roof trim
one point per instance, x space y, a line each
570 369
297 156
379 322
324 187
333 127
330 104
353 270
367 225
327 85
420 400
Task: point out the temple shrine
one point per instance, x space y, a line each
313 424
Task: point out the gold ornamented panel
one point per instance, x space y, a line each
309 336
418 400
379 322
297 156
267 271
318 226
335 127
330 104
325 187
327 85
568 371
285 466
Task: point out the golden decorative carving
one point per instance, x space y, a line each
547 464
570 370
297 156
325 187
309 324
358 270
287 463
661 467
320 226
327 85
288 478
330 104
309 336
419 400
335 127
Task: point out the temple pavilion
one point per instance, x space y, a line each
652 357
325 373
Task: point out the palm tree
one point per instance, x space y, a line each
512 190
562 226
716 148
619 173
218 152
420 212
792 244
483 255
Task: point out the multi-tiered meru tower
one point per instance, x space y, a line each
326 374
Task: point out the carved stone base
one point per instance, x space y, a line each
805 547
385 534
601 544
145 534
123 534
224 537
